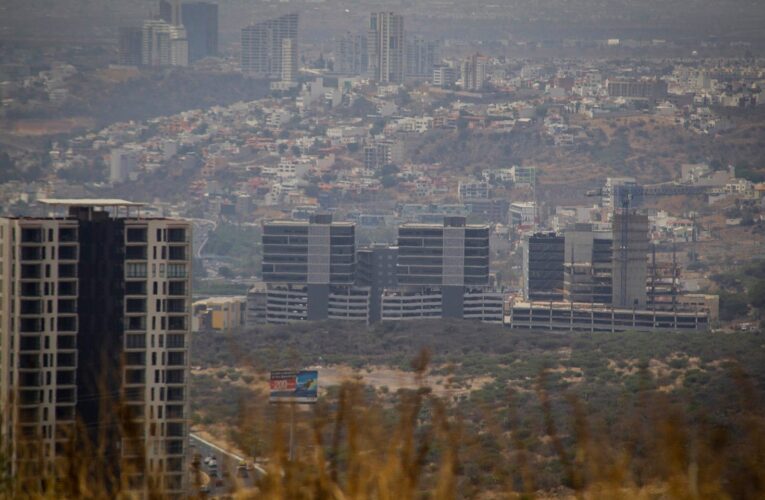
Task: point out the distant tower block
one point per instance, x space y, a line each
630 251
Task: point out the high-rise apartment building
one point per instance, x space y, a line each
130 46
263 48
164 44
378 153
94 329
166 11
444 76
421 56
473 72
351 54
123 162
385 43
201 22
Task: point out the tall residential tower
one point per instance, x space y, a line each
385 43
94 330
270 48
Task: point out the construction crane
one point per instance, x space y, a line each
625 199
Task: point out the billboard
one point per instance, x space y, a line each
290 386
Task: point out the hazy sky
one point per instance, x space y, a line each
98 19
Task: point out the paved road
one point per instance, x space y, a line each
227 467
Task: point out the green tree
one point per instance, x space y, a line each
732 306
757 295
226 272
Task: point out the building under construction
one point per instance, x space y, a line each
602 281
630 256
587 272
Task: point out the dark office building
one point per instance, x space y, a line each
543 267
309 257
166 11
376 269
130 46
201 22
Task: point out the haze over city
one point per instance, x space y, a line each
436 248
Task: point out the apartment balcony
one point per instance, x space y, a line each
67 288
31 325
32 253
175 394
175 341
177 252
67 234
135 306
136 252
67 306
174 447
135 323
65 396
177 323
31 271
65 377
135 394
64 430
29 415
136 235
176 288
66 342
67 270
29 397
176 358
135 288
177 306
31 235
29 343
135 341
135 377
66 324
67 252
33 307
177 235
29 362
29 379
175 430
135 358
30 289
66 360
174 412
64 413
175 376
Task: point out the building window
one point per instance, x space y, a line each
135 270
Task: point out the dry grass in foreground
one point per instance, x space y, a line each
354 445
